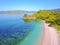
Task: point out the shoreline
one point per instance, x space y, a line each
33 37
50 36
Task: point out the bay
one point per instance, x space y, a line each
14 30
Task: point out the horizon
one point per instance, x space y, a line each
29 10
29 5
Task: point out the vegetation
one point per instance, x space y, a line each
28 17
49 16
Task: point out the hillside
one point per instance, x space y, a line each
49 16
57 10
16 12
10 12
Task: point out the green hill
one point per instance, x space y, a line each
49 16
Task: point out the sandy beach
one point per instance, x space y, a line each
50 36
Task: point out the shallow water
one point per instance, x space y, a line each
34 36
14 30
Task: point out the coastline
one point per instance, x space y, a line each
50 36
34 36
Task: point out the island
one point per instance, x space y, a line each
28 17
49 16
51 21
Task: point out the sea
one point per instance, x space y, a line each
16 31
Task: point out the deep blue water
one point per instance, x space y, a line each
14 28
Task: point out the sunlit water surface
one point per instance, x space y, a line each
15 31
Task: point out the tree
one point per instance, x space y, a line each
25 15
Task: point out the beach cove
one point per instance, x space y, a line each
14 30
49 36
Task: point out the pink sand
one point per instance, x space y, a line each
49 37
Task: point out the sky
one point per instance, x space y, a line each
30 5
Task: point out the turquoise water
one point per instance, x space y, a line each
15 31
34 36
